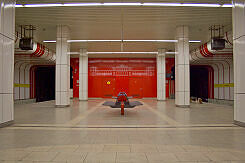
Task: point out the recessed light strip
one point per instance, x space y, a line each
49 41
150 40
121 53
94 41
125 4
167 41
195 41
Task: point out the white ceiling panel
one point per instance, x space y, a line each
137 23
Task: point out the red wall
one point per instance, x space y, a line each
107 77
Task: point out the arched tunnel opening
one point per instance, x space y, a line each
199 82
45 83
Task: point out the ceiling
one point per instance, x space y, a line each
137 23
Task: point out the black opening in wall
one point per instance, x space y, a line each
71 78
199 82
45 83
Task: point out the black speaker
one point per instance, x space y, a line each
217 44
26 44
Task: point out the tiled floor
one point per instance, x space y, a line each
156 132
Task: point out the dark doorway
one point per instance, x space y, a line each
45 83
71 78
199 82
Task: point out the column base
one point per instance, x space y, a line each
161 100
83 99
5 124
183 106
61 106
242 124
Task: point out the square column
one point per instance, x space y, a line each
182 67
239 58
7 38
161 75
83 75
62 82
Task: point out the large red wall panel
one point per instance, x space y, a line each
108 77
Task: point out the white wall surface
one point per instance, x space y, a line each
7 37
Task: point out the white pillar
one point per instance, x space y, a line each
182 67
239 58
62 86
161 75
83 75
7 37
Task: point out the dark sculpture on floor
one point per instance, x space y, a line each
122 102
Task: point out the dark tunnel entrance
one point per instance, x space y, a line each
45 83
199 82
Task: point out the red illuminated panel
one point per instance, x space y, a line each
136 77
108 77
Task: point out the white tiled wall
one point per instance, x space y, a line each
239 58
7 21
22 76
223 93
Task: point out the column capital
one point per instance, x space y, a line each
182 32
83 52
161 52
63 31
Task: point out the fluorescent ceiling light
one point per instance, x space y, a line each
194 41
167 41
19 5
161 4
125 4
150 40
121 4
81 4
94 41
171 52
49 41
41 5
227 5
200 5
122 52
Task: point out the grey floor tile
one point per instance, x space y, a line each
41 156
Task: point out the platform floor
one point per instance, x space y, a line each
156 132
